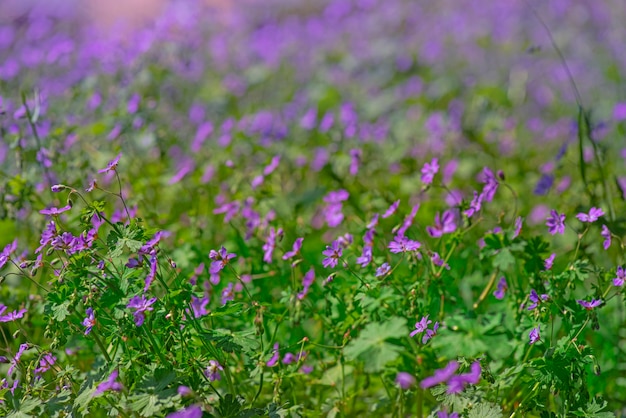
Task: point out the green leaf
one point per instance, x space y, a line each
60 312
503 260
372 347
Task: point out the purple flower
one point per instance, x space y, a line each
270 244
275 357
421 326
198 306
402 244
491 185
89 321
441 375
502 288
228 294
408 220
606 234
212 371
11 316
45 364
556 222
55 211
5 255
430 333
366 257
589 305
383 270
332 252
443 225
151 274
549 261
307 281
429 170
594 214
220 260
194 411
140 305
536 299
475 205
109 384
184 391
16 359
457 383
444 414
392 209
405 380
297 246
112 165
534 335
621 277
438 261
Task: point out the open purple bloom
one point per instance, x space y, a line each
11 316
332 252
589 305
89 321
307 282
502 288
55 211
621 277
140 305
457 383
5 255
275 357
402 244
366 257
46 362
536 299
405 380
429 170
594 214
421 326
297 246
213 370
549 261
491 185
112 165
228 294
198 305
109 384
430 333
444 224
475 205
556 222
270 244
438 261
383 270
606 234
534 335
220 260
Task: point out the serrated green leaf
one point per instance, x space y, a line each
371 346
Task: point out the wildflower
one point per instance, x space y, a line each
140 305
392 209
275 357
536 299
401 244
109 384
307 281
556 222
438 261
297 246
11 316
151 274
16 359
405 380
457 383
228 294
52 211
289 358
491 185
621 277
589 305
194 411
606 234
212 371
502 288
332 252
430 333
57 188
355 159
220 260
373 222
444 224
534 335
45 364
421 326
198 305
366 257
383 270
549 261
5 255
408 220
270 244
89 321
475 205
441 375
429 170
444 414
594 214
184 391
112 165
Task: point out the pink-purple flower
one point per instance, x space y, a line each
502 288
534 335
548 262
140 304
444 224
429 170
593 215
589 305
220 260
295 250
405 380
109 384
332 252
556 223
620 277
112 165
213 370
606 234
89 321
536 299
455 383
402 244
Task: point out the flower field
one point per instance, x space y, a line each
329 208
